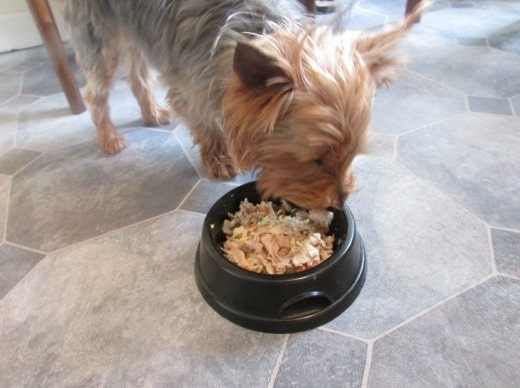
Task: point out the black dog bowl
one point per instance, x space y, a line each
278 303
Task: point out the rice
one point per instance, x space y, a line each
277 239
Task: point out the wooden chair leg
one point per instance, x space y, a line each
410 5
44 19
309 4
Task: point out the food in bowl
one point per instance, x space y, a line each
276 238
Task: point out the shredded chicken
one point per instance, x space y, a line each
272 239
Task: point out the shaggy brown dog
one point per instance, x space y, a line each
259 85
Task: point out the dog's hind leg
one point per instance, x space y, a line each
141 84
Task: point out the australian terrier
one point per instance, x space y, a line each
260 85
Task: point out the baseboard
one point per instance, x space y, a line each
18 31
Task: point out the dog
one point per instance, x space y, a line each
260 85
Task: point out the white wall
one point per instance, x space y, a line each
17 28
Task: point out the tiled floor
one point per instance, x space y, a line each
96 257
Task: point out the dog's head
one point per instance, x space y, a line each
298 108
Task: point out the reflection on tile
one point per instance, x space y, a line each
128 314
14 264
321 359
474 158
14 159
472 70
489 105
413 102
205 194
506 247
412 235
508 40
53 204
472 41
470 341
468 22
382 145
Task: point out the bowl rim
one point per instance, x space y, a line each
216 253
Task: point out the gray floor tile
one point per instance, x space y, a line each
489 105
53 205
472 70
470 341
475 158
18 103
14 265
468 22
205 194
382 145
11 84
515 101
48 123
183 136
321 359
508 40
472 41
42 81
5 186
413 102
14 159
506 247
8 125
120 308
128 314
421 248
12 59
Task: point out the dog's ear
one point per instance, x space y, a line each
377 49
256 69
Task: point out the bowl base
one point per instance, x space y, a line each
307 312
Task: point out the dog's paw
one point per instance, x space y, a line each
220 167
112 144
159 116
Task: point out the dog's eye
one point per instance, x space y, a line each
318 162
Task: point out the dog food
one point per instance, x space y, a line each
277 239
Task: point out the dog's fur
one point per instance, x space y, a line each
258 84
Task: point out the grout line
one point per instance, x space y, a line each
40 154
420 75
278 363
368 364
433 123
188 194
187 151
505 275
513 110
344 334
504 229
109 232
492 259
25 248
7 202
432 186
433 307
